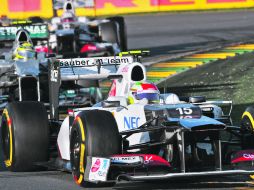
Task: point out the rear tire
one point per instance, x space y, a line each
109 32
93 133
247 126
25 135
75 48
122 32
59 46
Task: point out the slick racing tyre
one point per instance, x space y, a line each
94 133
74 45
121 32
108 32
59 46
247 127
24 135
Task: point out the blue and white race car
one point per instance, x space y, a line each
136 134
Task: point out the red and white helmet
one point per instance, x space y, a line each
141 90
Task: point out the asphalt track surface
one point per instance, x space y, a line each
166 35
169 34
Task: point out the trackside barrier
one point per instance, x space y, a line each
43 8
20 9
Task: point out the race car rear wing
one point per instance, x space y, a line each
90 68
96 68
36 32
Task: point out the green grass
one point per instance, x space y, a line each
231 79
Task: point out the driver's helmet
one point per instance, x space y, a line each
68 17
24 51
141 90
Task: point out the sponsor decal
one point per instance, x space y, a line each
112 91
171 2
108 7
249 156
35 31
123 3
93 61
125 69
21 9
225 1
24 8
76 63
150 159
131 122
99 169
243 156
24 5
58 4
105 164
96 166
146 159
126 160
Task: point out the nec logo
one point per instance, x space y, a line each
131 122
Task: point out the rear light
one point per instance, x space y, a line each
88 47
43 49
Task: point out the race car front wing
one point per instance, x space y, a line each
184 174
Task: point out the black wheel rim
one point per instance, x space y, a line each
246 125
75 147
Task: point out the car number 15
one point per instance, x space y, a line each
185 111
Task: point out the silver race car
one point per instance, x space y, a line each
24 70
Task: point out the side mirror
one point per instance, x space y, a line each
110 104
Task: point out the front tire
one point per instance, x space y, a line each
247 128
24 135
94 133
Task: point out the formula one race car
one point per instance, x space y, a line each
79 36
24 71
136 134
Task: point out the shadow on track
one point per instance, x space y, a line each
201 183
2 167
